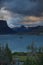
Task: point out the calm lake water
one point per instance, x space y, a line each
20 42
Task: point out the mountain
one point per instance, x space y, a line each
4 29
29 30
20 29
36 30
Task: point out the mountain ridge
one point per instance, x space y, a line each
4 29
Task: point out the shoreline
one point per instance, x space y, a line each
24 34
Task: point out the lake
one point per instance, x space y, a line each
20 42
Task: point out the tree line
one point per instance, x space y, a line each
36 55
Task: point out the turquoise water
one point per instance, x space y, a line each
20 42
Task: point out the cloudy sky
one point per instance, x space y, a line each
22 12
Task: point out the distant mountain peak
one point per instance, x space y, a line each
3 23
4 29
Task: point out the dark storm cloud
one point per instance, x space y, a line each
25 7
